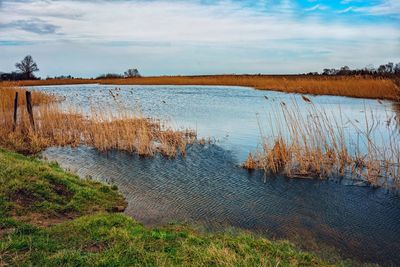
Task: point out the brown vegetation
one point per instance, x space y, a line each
100 129
8 90
351 86
316 145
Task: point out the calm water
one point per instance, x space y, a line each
231 115
208 187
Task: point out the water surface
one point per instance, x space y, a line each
208 187
231 115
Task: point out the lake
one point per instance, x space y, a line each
208 187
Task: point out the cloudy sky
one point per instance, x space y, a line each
87 38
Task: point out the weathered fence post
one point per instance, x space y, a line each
29 108
15 111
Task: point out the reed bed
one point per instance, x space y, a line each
318 145
7 95
101 129
351 86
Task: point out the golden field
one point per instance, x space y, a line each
351 86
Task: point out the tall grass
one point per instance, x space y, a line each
316 144
352 86
7 93
101 128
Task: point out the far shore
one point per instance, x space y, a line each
351 86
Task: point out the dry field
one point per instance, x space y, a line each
102 129
351 86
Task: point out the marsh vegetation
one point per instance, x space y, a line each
317 144
100 128
201 184
352 86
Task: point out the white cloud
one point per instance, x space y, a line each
160 21
317 7
346 10
184 36
386 7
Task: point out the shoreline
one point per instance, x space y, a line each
82 221
349 86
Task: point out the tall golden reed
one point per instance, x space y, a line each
8 90
102 129
316 145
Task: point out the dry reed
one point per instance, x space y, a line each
351 86
315 145
8 90
102 129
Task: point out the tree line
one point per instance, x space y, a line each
130 73
389 69
27 66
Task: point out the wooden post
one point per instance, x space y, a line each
29 108
15 111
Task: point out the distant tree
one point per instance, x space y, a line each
397 69
329 72
132 73
369 70
382 69
110 76
326 72
344 71
390 67
27 67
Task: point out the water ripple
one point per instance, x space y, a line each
208 187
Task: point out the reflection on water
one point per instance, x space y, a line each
232 115
208 187
396 109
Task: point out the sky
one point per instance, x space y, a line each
176 37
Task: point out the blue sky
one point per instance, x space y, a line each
87 38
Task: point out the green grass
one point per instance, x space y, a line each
53 218
33 191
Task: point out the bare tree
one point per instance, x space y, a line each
132 73
27 66
397 68
390 67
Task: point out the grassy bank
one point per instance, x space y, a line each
351 86
52 218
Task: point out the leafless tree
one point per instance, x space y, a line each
132 73
27 66
397 68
